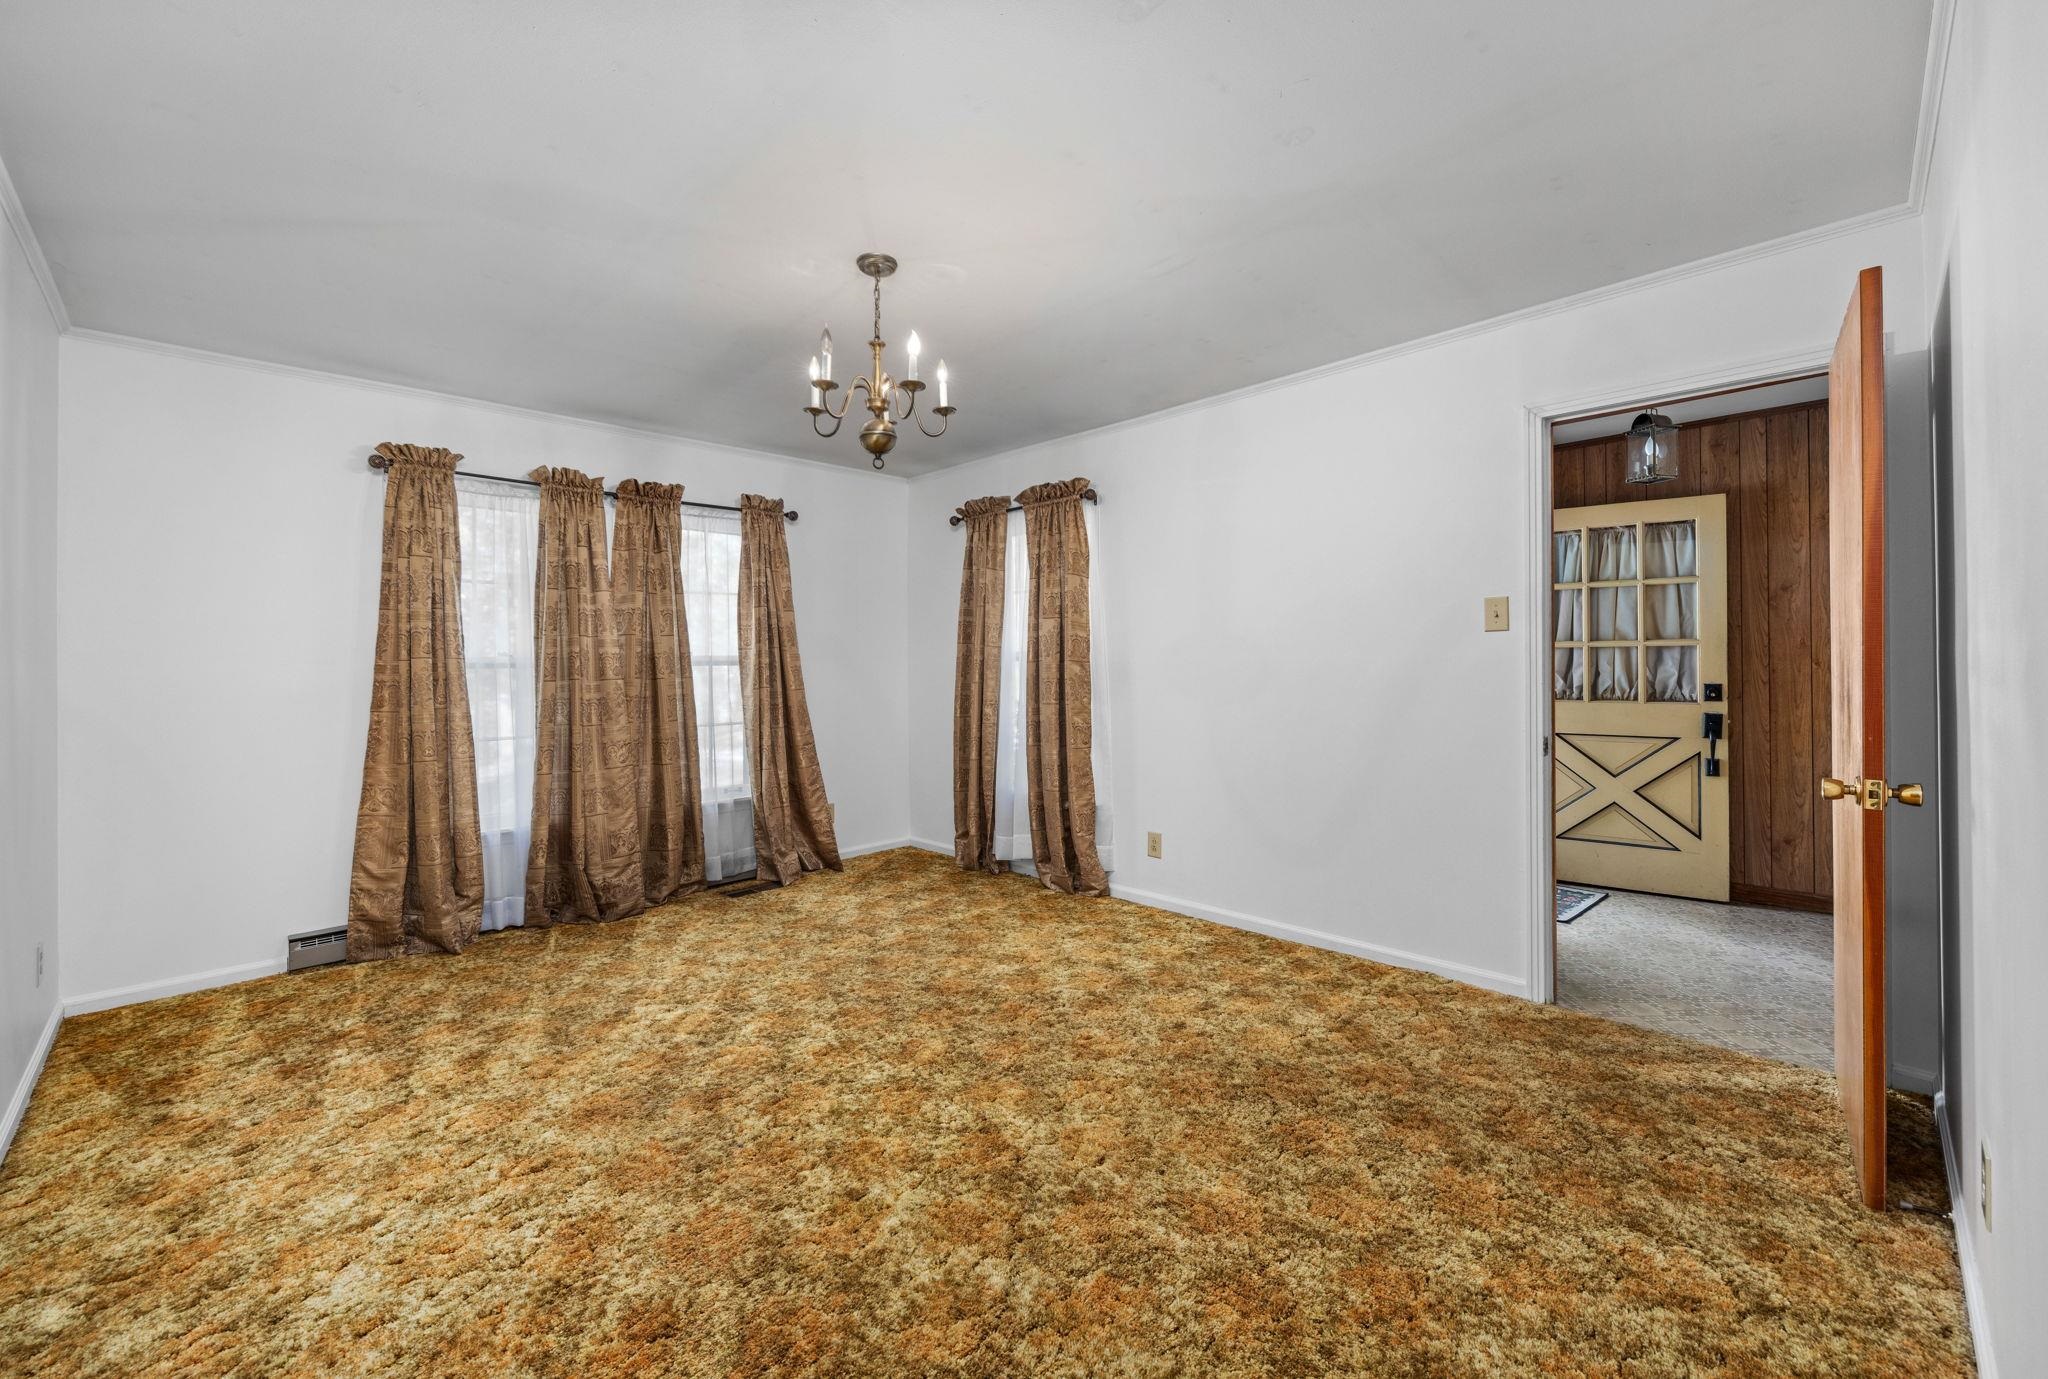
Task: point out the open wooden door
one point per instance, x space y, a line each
1859 786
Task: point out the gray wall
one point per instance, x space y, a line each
1912 732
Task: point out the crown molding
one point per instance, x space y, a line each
377 385
32 250
1932 83
1770 248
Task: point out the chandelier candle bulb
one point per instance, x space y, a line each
812 399
825 352
942 383
913 346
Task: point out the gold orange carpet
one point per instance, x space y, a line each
911 1121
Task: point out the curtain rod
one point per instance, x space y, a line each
382 465
956 519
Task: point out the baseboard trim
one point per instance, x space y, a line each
1773 899
171 986
1958 1214
1295 933
863 849
1336 943
17 1105
1907 1079
250 971
1966 1246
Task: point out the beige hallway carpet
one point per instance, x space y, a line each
1741 976
910 1121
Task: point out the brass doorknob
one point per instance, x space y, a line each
1832 789
1909 794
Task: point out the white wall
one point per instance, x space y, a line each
28 683
1987 298
218 604
1304 702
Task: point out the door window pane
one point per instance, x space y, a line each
1611 615
1674 673
1614 672
1670 549
1564 557
1567 626
1568 672
1672 610
1611 553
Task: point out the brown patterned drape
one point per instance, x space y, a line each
661 703
792 820
585 861
977 678
1059 692
417 885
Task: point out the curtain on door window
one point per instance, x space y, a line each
711 589
1013 806
500 534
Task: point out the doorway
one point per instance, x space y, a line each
1689 720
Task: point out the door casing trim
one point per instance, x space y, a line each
1536 422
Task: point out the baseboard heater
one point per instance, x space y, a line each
315 948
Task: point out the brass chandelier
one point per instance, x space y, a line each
891 400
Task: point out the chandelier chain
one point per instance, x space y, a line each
878 309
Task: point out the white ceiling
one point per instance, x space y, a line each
641 211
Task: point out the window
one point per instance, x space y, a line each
1627 610
1013 801
499 528
711 595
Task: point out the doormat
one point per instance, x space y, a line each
1573 901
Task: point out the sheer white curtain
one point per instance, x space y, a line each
1013 808
711 592
499 528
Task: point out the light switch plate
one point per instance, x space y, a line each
1497 614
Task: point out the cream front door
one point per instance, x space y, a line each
1639 632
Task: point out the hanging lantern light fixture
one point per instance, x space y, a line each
1652 449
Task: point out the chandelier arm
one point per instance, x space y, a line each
945 419
845 403
828 435
908 412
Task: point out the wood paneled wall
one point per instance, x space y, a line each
1773 466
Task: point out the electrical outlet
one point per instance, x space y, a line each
1153 845
1497 614
1984 1182
39 964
